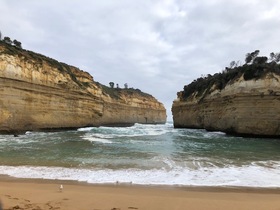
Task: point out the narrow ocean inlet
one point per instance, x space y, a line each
145 155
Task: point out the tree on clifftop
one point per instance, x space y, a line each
250 57
17 43
260 60
255 68
111 84
274 57
7 40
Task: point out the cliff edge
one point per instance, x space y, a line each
243 100
37 93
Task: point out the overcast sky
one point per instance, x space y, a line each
156 46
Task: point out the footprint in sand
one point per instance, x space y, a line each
28 206
10 197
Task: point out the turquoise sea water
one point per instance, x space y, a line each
143 154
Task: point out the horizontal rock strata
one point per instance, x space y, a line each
243 108
38 93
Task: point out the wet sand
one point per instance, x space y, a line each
45 194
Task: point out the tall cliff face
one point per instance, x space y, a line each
242 107
37 92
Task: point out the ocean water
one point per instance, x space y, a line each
143 154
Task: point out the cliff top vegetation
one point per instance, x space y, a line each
27 55
15 48
255 67
117 92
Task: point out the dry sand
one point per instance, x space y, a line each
45 194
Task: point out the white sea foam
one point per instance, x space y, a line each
28 133
213 134
22 139
95 139
4 138
246 176
182 157
134 131
86 129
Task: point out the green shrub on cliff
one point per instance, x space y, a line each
27 55
255 67
7 40
117 92
17 43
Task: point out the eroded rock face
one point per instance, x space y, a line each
37 92
242 108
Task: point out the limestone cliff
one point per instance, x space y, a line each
37 92
241 107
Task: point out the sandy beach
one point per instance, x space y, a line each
45 194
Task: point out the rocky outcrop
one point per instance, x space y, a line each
37 92
242 108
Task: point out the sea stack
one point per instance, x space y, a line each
40 93
242 100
